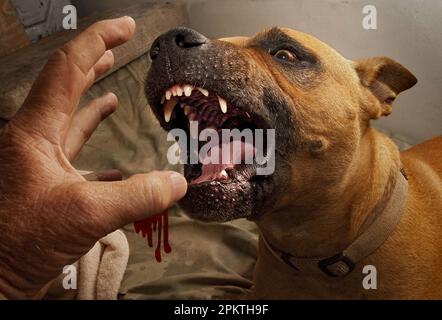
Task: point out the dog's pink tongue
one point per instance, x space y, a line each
213 171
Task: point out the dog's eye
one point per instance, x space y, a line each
285 55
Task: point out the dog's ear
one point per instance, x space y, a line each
385 78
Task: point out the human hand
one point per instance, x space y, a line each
49 214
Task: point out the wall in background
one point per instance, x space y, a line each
409 31
87 7
40 18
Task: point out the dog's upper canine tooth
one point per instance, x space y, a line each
203 91
222 104
168 94
188 90
168 109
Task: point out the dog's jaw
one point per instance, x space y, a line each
213 76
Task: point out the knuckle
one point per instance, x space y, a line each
61 53
58 58
97 32
155 194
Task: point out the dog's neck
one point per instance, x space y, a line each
324 227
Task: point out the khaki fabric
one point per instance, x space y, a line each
207 261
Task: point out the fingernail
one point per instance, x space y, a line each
110 106
130 19
179 185
112 98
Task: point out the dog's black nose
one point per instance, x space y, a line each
176 40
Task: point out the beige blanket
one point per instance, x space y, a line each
97 275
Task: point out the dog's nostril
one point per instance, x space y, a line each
155 50
179 40
190 40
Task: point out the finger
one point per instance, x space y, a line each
87 48
59 86
104 64
86 121
116 204
108 175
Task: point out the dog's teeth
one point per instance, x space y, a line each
186 110
168 94
163 98
222 104
179 91
224 174
168 109
188 90
203 91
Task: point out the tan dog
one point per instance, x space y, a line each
338 199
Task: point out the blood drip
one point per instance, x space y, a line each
160 224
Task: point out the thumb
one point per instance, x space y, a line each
118 203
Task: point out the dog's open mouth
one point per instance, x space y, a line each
224 170
194 110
